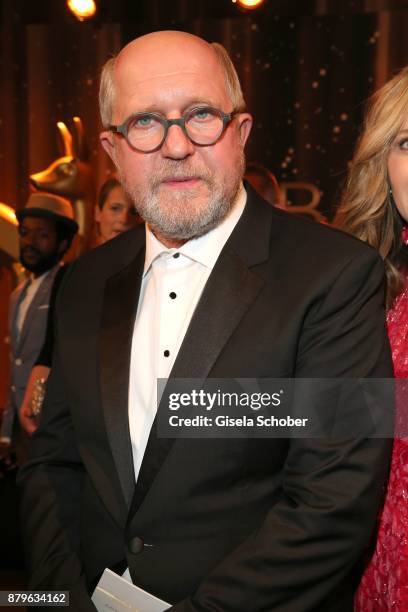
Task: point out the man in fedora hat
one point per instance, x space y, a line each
46 228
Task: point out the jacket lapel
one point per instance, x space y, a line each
16 299
119 309
228 294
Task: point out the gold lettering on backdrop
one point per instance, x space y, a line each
309 207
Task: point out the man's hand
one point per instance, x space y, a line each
28 420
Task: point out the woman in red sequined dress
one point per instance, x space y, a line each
375 209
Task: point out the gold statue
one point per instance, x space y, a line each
70 176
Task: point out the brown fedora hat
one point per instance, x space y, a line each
49 206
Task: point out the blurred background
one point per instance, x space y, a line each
307 67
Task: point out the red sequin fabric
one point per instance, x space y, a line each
384 585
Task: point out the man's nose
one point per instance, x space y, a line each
177 144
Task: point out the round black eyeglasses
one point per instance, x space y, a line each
146 132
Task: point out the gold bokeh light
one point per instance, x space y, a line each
82 9
249 4
7 213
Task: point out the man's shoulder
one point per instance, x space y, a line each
298 243
17 290
110 257
86 277
308 238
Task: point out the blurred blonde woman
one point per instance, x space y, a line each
375 209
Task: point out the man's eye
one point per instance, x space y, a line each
202 114
146 121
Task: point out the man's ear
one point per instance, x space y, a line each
244 126
107 142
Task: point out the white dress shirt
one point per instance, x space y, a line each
172 283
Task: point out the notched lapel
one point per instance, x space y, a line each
118 315
14 306
42 294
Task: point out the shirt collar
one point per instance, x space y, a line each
37 280
204 249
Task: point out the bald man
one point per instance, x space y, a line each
218 284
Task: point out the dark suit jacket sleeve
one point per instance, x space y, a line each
51 490
331 490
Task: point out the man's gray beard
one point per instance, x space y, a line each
177 225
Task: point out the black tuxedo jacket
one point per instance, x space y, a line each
212 525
